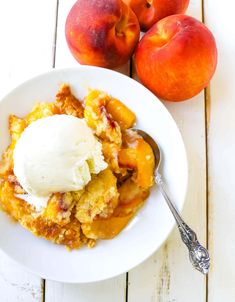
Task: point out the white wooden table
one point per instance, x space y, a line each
32 41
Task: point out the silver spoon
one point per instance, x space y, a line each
198 255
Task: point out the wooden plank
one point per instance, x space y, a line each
221 150
26 33
168 275
110 290
16 284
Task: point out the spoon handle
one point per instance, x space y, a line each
198 255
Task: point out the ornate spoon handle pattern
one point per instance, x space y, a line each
198 255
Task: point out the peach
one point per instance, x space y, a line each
102 32
128 158
149 12
131 199
106 228
141 159
176 58
145 164
120 113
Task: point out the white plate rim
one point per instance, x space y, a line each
180 207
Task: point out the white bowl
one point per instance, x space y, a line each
153 223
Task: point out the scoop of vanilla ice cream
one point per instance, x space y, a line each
57 154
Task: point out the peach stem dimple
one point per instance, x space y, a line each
149 3
121 25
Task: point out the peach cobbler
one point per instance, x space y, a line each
75 172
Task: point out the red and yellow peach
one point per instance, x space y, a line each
102 32
176 58
149 12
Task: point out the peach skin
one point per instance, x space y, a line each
176 58
149 12
102 32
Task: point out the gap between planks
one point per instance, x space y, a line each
207 112
207 102
55 34
43 290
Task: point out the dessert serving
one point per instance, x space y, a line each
75 172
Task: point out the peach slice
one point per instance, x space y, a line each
99 199
120 113
128 158
105 229
145 164
99 119
141 159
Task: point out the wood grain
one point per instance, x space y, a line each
26 50
168 276
16 284
221 149
110 290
